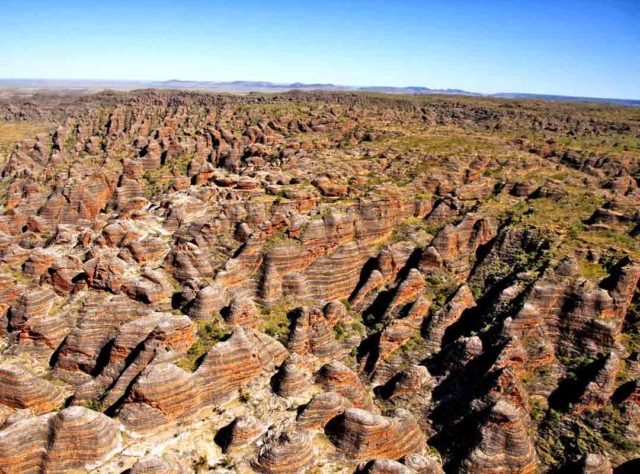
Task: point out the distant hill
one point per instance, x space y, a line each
245 87
566 98
264 86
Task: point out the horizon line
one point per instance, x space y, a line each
454 90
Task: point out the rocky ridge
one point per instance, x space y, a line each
332 282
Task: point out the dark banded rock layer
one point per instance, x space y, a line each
288 454
242 432
322 408
200 268
74 438
337 377
164 392
292 378
312 333
19 389
503 444
362 435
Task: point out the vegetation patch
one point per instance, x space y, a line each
275 322
209 334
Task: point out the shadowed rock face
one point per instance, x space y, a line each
321 409
339 378
594 464
318 282
437 325
406 384
503 444
292 379
242 432
312 333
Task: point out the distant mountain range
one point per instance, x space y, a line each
245 87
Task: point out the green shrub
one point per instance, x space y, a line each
275 322
209 333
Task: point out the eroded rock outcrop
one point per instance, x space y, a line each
337 377
156 245
312 333
288 453
242 432
322 408
21 390
503 444
155 465
164 392
438 323
361 435
74 438
293 377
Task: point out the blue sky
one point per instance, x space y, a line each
588 48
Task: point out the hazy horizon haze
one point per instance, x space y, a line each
588 48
